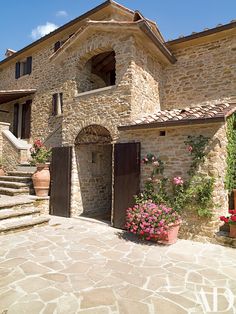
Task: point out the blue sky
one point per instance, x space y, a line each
23 21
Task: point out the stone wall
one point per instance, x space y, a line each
3 126
147 87
177 160
203 73
11 155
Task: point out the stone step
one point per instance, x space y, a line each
26 168
15 213
14 192
13 185
20 174
15 179
24 223
18 202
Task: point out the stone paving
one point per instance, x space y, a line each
79 266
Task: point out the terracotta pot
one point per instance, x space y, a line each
41 180
234 193
232 231
2 172
172 234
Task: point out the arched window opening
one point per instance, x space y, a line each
99 72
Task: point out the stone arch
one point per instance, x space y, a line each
88 53
107 124
93 134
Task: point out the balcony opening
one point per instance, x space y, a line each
99 72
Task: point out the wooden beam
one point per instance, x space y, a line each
107 60
98 58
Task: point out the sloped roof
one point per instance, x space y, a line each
140 25
73 22
11 95
175 117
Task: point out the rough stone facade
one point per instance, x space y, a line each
204 72
172 151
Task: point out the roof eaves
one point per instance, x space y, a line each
169 124
205 33
162 47
142 24
58 30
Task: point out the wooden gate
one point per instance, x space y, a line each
61 181
126 179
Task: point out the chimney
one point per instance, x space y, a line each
9 52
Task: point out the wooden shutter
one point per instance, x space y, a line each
29 65
60 195
15 120
54 104
26 120
126 180
57 45
17 72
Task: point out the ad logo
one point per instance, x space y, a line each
211 301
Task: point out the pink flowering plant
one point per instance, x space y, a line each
39 153
194 192
151 221
231 219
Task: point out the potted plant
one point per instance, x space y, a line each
232 222
40 157
153 222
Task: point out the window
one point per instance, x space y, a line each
23 67
57 45
162 133
57 104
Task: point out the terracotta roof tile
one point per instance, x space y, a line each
206 113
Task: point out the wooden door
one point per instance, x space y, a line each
15 120
126 179
60 195
26 120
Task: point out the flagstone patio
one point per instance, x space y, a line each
80 266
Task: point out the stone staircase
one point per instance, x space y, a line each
16 183
18 209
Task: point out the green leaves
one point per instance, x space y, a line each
197 149
230 179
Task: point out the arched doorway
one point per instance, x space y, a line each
94 164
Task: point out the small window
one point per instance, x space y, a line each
94 157
162 133
57 104
57 45
23 67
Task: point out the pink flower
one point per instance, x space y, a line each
178 181
156 163
190 148
233 218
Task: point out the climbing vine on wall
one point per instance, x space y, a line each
230 182
196 192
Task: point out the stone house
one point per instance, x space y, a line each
110 77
